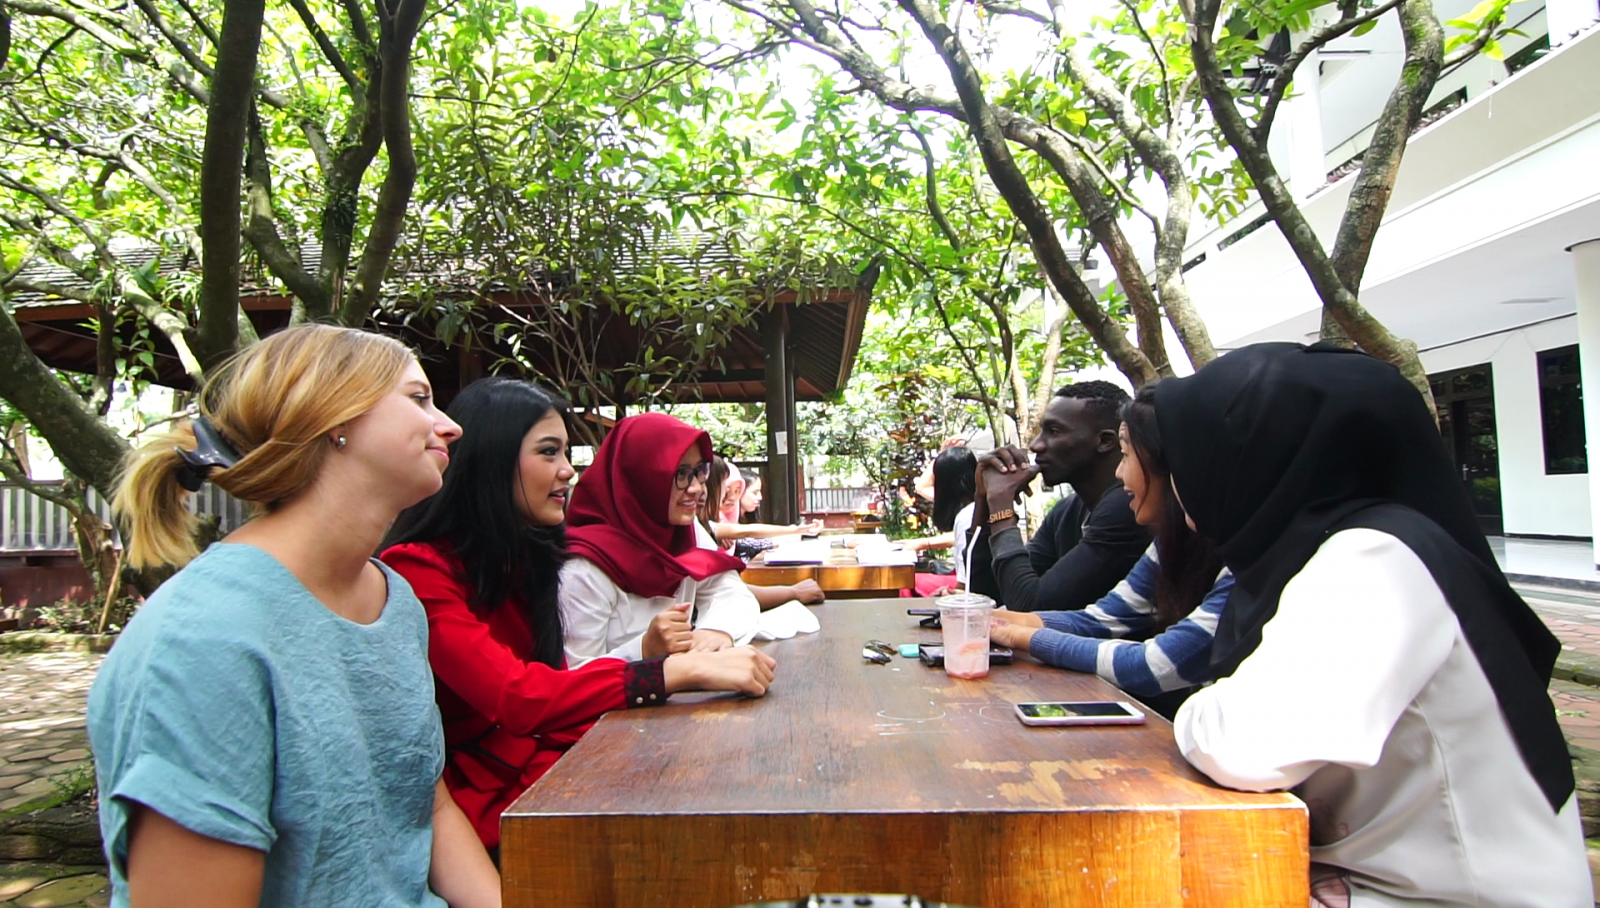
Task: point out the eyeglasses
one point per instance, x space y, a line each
878 651
686 474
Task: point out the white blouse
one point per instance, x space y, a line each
962 534
599 618
1366 700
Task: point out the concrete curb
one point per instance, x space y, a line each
45 642
1555 583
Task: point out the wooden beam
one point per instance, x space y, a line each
781 498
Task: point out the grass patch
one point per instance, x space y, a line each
69 786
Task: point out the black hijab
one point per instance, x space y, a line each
1276 447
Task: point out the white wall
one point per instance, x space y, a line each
1535 504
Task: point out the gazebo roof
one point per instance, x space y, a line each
824 329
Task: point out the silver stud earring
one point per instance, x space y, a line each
339 442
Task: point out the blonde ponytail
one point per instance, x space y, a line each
152 505
275 402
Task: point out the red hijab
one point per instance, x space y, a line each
618 514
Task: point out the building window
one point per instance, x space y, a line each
1536 48
1561 408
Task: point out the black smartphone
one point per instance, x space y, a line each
932 654
929 616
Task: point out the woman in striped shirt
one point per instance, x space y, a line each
1151 635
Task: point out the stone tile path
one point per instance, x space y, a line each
43 743
42 734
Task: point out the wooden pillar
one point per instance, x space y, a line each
781 495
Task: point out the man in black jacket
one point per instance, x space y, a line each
1089 540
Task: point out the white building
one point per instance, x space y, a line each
1488 258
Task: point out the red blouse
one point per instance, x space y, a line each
506 719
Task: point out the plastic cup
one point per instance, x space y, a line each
965 619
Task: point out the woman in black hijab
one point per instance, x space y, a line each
1373 657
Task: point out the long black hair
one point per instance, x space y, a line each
711 511
1189 562
954 485
506 558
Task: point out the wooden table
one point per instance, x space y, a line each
841 577
850 776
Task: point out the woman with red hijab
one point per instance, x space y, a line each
633 550
484 554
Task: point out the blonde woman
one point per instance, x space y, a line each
265 730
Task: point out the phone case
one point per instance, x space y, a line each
932 654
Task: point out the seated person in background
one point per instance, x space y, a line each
953 489
1089 541
484 555
1169 603
806 591
747 540
633 551
1373 658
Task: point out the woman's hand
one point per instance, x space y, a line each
742 668
1025 619
808 592
706 641
669 632
1015 636
809 528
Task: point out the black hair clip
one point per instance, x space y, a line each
211 451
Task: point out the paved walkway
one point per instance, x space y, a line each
42 735
44 748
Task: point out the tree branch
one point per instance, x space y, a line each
200 22
336 59
394 49
85 445
261 227
172 327
1380 163
1336 297
1014 188
1280 85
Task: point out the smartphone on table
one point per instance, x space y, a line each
1083 712
933 654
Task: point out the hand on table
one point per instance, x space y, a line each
669 632
1025 619
808 592
740 668
809 528
707 641
1014 629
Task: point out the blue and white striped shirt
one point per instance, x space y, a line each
1113 638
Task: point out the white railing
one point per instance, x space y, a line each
29 523
835 500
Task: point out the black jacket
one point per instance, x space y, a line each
1070 563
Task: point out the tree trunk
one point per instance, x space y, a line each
221 169
87 447
1337 297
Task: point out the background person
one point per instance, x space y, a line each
633 551
1373 658
264 731
1151 635
1089 541
806 591
484 555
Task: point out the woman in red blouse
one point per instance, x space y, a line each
484 555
